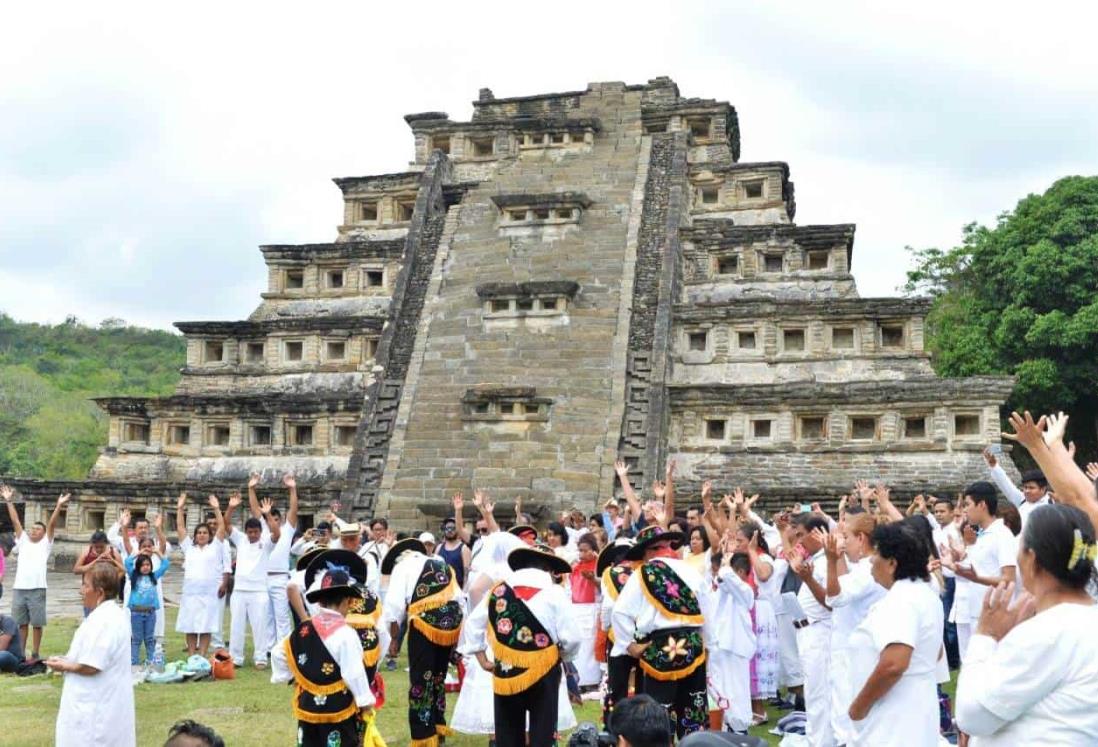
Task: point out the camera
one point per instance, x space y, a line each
588 735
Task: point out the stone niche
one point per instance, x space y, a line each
548 216
509 409
534 305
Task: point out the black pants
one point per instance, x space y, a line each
686 700
427 664
953 654
540 701
618 669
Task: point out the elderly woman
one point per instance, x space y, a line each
1031 675
894 650
97 697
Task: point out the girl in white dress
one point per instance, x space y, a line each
766 662
894 650
199 610
97 697
1031 676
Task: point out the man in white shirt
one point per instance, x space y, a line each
28 604
948 534
423 590
994 557
664 619
814 630
531 622
217 638
1034 490
249 600
279 623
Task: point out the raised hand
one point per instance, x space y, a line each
1057 426
750 502
234 500
659 489
458 500
1026 432
289 480
181 501
883 494
6 493
621 468
124 518
670 473
1092 471
1000 615
707 490
831 546
158 522
480 500
253 480
753 543
63 499
265 506
990 458
215 504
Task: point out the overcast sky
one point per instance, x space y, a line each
145 154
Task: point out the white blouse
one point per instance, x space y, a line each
201 563
1038 686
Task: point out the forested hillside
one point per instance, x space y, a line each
49 428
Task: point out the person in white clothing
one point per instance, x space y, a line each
992 559
961 612
279 622
217 638
729 665
894 650
97 696
204 576
1031 675
1034 490
814 630
249 600
850 595
28 604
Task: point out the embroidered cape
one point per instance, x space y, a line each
613 581
521 645
670 595
363 617
434 611
320 695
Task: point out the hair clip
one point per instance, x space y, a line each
1081 550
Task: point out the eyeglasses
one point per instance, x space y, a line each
482 530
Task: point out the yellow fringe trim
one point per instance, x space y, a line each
360 620
688 619
525 659
325 718
431 741
443 730
678 674
436 600
304 682
371 657
608 584
435 635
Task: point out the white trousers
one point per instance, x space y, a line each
792 674
217 640
841 695
814 643
964 635
279 622
250 607
730 679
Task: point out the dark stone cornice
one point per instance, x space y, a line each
294 324
517 123
546 199
352 250
403 180
275 403
972 391
567 288
838 308
720 233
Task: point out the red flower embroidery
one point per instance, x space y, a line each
541 640
503 627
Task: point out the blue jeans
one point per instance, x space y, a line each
953 655
143 626
8 662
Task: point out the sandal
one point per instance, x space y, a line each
758 719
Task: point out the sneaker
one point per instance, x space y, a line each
261 665
391 665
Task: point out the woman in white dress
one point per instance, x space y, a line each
1031 676
474 711
894 650
97 697
202 575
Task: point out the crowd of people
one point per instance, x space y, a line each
717 614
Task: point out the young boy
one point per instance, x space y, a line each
730 654
323 656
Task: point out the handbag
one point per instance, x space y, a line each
221 665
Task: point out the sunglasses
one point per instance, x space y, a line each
482 530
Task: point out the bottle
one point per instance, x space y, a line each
158 661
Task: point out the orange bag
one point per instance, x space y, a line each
221 664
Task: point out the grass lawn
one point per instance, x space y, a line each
247 710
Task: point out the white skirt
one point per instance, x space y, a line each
199 608
590 672
474 712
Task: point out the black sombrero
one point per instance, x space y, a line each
540 556
307 557
338 570
611 554
650 536
408 544
522 529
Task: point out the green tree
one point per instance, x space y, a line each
1021 298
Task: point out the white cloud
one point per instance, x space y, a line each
145 151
